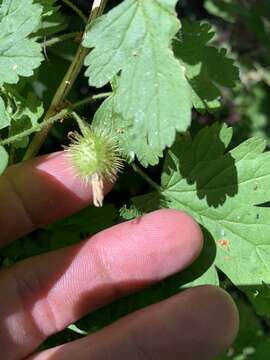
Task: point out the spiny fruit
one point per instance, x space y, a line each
95 157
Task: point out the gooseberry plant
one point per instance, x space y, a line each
135 81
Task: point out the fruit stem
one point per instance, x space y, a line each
65 86
82 125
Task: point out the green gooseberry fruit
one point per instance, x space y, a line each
95 157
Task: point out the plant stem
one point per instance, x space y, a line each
97 9
57 101
90 99
65 86
60 38
76 10
53 119
146 177
38 127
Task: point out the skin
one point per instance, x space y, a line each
42 295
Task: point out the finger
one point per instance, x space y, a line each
44 294
199 323
37 192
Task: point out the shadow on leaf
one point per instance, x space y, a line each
203 163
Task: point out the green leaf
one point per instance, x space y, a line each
259 296
23 113
26 115
152 98
202 271
222 191
4 118
3 159
207 67
52 20
19 55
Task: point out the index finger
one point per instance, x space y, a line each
37 192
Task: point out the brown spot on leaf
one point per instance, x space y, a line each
224 244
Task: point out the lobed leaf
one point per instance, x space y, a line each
26 114
19 54
222 191
207 67
152 98
20 114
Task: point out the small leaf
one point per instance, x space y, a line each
23 114
26 115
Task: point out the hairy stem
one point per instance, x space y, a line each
76 10
80 122
65 86
90 99
36 128
60 95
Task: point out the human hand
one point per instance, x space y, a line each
42 295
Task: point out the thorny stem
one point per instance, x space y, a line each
76 10
146 177
65 86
